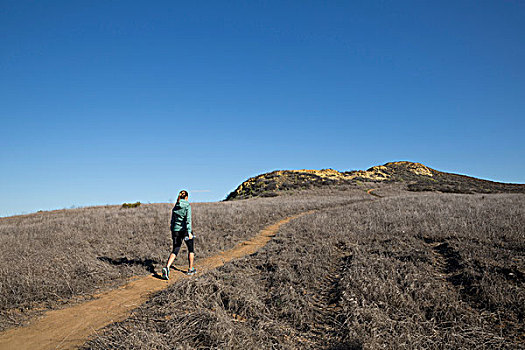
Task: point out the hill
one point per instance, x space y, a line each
413 176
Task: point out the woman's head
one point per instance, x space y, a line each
182 195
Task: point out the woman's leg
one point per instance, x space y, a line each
191 257
177 243
191 252
171 260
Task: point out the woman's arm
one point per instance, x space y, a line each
172 222
188 222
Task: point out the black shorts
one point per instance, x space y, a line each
178 237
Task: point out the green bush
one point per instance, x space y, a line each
131 205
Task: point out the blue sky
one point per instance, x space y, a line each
104 102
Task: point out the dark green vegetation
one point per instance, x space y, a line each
413 177
417 271
454 183
131 205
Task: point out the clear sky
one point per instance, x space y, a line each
105 102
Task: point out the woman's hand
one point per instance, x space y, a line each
190 235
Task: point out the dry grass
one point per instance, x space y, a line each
419 272
50 259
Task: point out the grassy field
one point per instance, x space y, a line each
427 271
405 270
50 259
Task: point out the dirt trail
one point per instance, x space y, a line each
71 327
371 192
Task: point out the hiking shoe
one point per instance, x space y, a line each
165 273
191 271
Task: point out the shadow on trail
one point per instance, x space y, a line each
177 269
149 264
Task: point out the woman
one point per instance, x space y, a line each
181 230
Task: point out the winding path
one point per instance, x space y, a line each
371 192
71 327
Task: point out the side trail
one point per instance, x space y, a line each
71 327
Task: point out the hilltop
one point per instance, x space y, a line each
413 176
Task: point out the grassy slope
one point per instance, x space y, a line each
49 259
414 271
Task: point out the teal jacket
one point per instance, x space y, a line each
181 216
